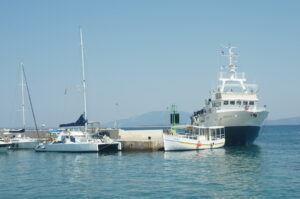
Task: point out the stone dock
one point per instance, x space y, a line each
137 140
132 140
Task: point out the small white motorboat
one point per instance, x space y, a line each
194 138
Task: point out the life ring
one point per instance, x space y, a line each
199 144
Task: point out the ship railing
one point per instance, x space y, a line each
242 107
237 88
251 88
226 75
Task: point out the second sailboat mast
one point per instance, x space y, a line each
23 97
83 78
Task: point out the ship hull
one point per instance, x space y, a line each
78 147
241 127
4 146
24 144
241 135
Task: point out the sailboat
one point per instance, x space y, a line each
78 140
19 140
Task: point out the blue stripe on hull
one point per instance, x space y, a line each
240 135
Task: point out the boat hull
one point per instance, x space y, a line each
4 147
109 147
67 147
24 145
177 143
241 135
78 147
241 127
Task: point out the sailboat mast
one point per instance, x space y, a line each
29 97
83 78
23 97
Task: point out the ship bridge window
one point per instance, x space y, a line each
232 102
245 103
251 103
225 102
216 104
239 102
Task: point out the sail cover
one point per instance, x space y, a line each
80 122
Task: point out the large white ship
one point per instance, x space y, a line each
233 105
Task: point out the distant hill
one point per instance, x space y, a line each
154 118
284 121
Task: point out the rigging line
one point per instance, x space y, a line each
29 97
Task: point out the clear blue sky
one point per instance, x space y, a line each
144 55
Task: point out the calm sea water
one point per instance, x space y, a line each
268 169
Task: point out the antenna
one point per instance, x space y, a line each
231 64
232 76
83 78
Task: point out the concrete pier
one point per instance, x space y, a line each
137 140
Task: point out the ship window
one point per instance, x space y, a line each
225 102
232 102
245 103
238 102
216 104
251 103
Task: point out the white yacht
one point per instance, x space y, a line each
194 138
78 140
234 105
